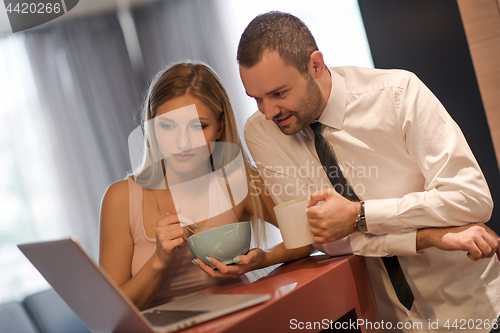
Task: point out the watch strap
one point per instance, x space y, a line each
361 220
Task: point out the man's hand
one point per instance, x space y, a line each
477 239
335 219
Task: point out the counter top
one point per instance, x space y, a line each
318 289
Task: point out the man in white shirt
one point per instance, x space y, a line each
403 156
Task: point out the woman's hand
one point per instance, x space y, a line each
170 235
252 260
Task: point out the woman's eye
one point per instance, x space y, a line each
198 126
167 126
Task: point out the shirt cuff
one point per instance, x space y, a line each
382 216
403 244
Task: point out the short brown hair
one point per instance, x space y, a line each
277 31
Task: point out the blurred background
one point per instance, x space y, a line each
70 92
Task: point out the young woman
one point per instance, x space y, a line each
191 150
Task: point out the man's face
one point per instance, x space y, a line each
282 93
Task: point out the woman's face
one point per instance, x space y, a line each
184 128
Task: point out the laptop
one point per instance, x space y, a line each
103 307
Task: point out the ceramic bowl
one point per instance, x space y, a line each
222 243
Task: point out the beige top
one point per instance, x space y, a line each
183 278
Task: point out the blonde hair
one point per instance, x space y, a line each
200 81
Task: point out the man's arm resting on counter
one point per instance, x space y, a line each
477 239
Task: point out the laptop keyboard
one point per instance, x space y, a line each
166 317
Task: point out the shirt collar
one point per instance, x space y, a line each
333 114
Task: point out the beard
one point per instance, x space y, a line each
309 108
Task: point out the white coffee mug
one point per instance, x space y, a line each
293 223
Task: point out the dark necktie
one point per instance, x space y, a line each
341 185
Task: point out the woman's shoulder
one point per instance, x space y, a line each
117 193
114 217
118 187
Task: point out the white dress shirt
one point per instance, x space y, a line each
408 160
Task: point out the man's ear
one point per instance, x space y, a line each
221 126
317 64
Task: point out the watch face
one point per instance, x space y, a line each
361 226
361 222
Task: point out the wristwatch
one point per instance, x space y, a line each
361 221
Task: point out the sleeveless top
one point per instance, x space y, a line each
183 277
